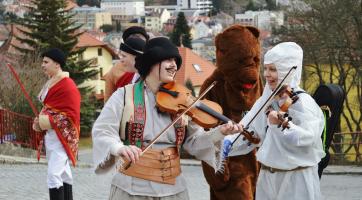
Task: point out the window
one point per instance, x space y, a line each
99 51
197 67
101 72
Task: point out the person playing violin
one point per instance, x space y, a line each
130 120
288 155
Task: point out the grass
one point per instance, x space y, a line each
85 143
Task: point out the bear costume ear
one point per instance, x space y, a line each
254 31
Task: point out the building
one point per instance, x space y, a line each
102 56
124 11
154 20
124 7
193 68
201 5
263 20
205 47
200 30
91 18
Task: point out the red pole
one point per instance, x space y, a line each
35 111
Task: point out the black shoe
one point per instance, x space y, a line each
68 192
56 193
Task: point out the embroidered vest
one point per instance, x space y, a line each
134 117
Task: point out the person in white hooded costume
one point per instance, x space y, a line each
289 158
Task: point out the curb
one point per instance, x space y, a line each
330 170
13 160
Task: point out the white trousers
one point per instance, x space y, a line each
296 185
58 164
118 194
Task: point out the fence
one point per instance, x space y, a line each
17 128
345 148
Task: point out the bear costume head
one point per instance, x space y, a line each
238 69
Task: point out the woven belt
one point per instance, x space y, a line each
272 169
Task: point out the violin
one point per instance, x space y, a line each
283 99
174 98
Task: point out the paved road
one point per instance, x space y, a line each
27 182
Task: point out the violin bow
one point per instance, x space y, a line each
27 97
127 164
279 86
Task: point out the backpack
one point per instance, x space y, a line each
330 98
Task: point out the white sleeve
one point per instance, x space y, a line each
105 133
201 144
307 123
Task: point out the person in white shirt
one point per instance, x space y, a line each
130 120
289 157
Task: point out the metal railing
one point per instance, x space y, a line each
17 128
345 148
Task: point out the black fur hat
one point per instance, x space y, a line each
56 55
133 46
134 30
156 50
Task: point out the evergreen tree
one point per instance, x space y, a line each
190 86
90 3
107 28
181 32
118 26
2 12
251 6
271 5
216 4
49 25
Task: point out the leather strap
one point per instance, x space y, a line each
272 169
161 166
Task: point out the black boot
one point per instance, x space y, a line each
56 194
68 192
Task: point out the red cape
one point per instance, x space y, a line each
125 79
62 105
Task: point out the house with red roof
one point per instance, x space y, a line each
193 68
102 56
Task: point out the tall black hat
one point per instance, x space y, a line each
156 50
133 46
134 30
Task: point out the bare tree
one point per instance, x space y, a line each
31 76
330 33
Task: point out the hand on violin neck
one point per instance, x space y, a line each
273 117
231 128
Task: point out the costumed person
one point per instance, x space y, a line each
60 118
238 86
124 72
288 154
130 120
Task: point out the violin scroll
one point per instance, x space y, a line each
250 136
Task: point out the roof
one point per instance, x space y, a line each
87 40
71 4
188 70
7 34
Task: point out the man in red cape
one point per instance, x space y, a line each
124 72
60 118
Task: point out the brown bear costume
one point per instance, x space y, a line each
238 87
